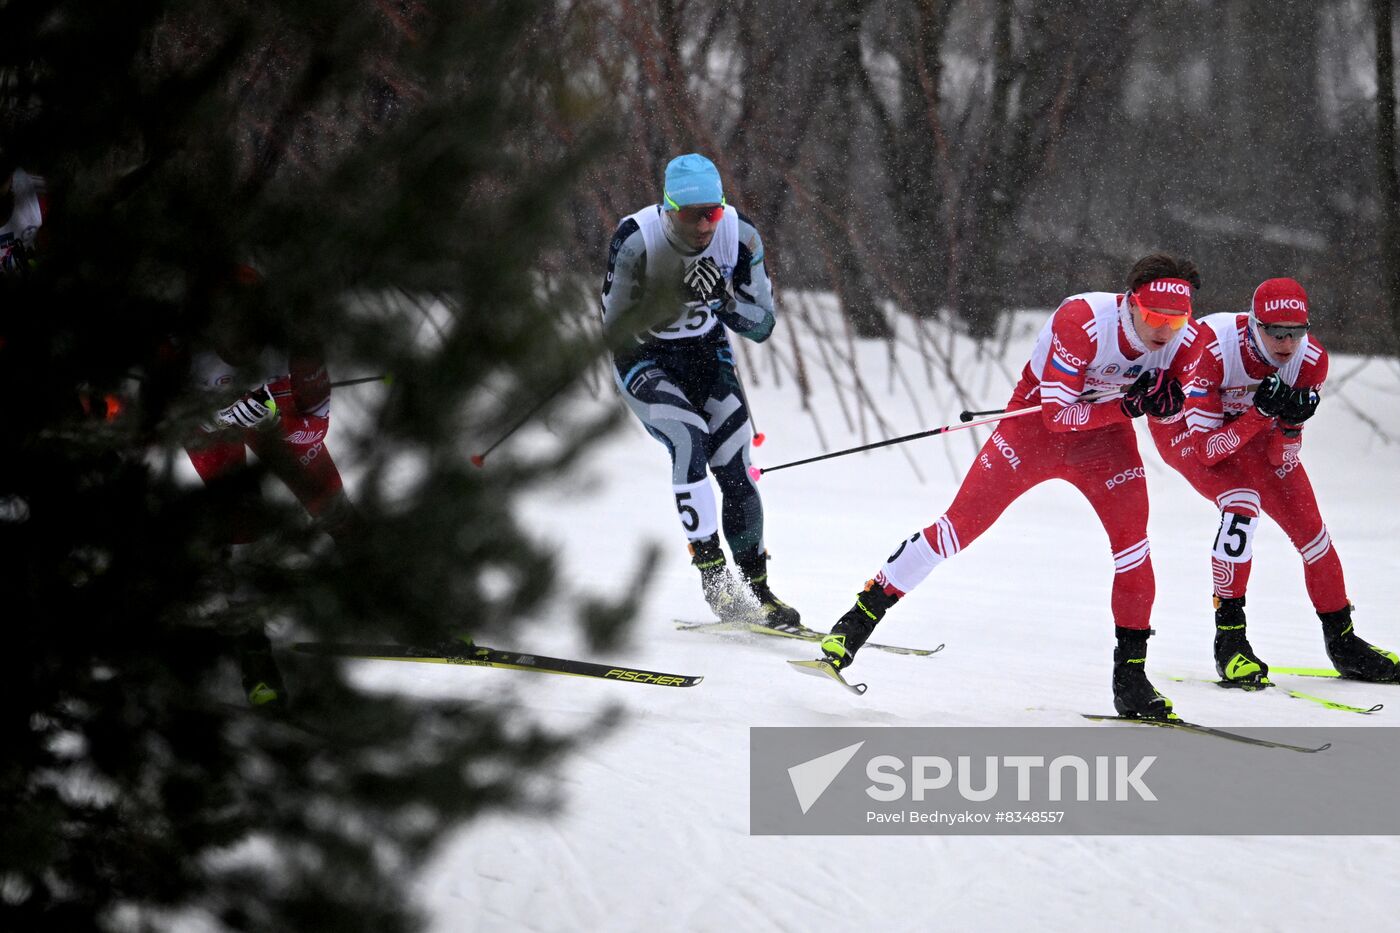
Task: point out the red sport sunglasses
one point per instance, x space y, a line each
693 215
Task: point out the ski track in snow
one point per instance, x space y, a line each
654 832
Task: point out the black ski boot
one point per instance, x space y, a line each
1133 694
775 613
728 600
1353 658
460 646
1235 660
262 680
854 628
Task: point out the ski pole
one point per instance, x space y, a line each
479 460
1089 397
758 436
969 415
386 379
756 472
611 337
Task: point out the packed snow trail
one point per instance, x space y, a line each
654 826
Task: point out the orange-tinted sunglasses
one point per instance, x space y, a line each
1157 318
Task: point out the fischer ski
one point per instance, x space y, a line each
478 656
1333 704
1199 729
1296 694
806 634
822 668
1305 671
1323 672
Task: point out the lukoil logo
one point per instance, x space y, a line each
1170 288
1006 449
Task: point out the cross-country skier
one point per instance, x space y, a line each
1258 377
1130 344
284 419
23 203
680 273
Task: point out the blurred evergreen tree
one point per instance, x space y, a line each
371 159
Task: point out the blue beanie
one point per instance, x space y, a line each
692 179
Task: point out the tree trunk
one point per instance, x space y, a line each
990 203
1389 185
852 281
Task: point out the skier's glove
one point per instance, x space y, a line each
1299 405
704 281
1166 400
1272 396
1155 394
255 409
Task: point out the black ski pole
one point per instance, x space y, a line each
386 378
479 460
359 380
758 436
757 472
1002 415
610 339
1087 397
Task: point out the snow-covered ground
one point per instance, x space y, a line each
655 830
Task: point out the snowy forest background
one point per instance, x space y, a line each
975 156
429 191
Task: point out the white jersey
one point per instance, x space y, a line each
1236 391
211 372
1110 368
665 268
21 228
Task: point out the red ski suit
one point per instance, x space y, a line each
1244 463
294 449
1088 345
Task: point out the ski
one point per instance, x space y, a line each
1185 726
821 668
806 634
1305 671
478 656
1322 672
1296 694
1333 704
